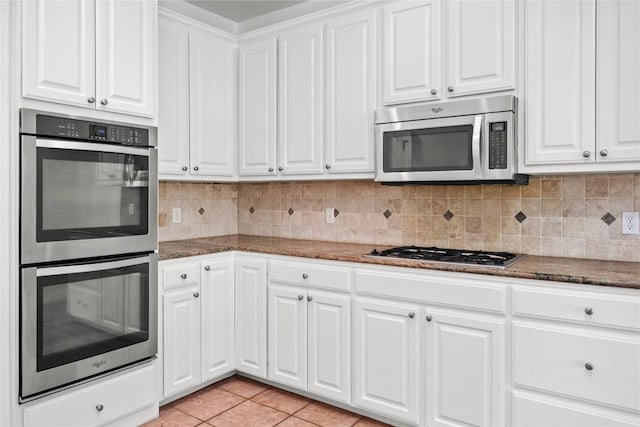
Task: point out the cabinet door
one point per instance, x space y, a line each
258 107
481 42
58 51
173 97
300 122
251 317
386 358
126 36
350 92
329 345
618 82
217 319
212 104
287 335
181 340
411 51
559 81
465 369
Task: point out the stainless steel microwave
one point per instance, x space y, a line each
472 141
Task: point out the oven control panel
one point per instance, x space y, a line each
498 145
90 131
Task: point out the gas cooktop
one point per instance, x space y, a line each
451 256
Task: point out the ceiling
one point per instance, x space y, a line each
242 10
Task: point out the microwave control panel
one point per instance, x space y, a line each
90 131
498 145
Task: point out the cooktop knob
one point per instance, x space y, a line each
375 252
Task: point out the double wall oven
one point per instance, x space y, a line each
88 292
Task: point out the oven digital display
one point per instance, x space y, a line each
99 131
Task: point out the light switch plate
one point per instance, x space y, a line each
329 216
177 215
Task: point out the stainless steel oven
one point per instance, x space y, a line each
88 188
80 320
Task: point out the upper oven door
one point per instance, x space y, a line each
446 149
83 199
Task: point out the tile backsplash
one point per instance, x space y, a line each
571 216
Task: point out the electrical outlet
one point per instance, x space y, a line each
630 223
177 215
330 217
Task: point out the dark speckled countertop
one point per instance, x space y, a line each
572 270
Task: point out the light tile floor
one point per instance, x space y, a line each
238 401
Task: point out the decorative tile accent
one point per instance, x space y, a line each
290 211
520 216
387 213
448 215
608 218
251 209
336 212
201 211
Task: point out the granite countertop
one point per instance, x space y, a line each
572 270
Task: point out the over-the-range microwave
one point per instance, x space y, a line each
461 142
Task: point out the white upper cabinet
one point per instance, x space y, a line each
300 105
481 43
91 54
212 105
618 73
411 51
350 71
257 120
125 56
559 81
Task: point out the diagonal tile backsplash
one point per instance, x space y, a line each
572 216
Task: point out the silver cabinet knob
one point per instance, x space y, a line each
196 294
428 318
434 92
270 169
412 315
99 407
588 311
184 168
183 276
586 154
300 297
91 100
280 168
604 153
207 267
195 168
450 88
588 366
104 101
305 276
327 166
309 298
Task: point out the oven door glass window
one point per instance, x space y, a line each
80 315
428 150
90 194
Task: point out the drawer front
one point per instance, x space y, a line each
302 273
187 274
119 396
584 307
557 360
533 412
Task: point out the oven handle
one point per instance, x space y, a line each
90 146
475 144
88 268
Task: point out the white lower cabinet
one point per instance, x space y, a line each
386 361
465 368
251 316
198 323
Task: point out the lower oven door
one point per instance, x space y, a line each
82 320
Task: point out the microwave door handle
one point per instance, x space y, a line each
88 268
475 145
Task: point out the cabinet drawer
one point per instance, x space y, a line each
606 310
557 360
119 396
181 275
301 273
